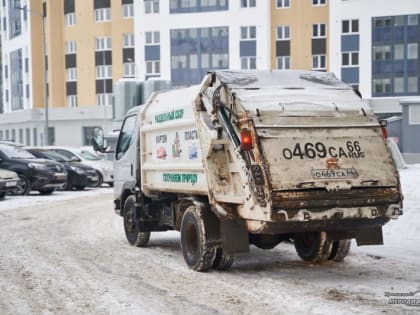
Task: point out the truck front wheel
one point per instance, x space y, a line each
132 231
340 249
198 254
222 261
313 247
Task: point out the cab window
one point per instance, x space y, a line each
126 134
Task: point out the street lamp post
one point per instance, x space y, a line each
44 47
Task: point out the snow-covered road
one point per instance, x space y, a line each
68 255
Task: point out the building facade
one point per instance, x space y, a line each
374 46
89 45
181 40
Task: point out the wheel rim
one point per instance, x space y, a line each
129 221
21 186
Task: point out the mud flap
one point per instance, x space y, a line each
372 236
234 236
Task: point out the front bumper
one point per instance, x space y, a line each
45 180
8 185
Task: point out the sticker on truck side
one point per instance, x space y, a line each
352 150
180 178
172 115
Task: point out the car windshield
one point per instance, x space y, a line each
89 156
55 156
16 153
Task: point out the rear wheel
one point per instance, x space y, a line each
222 261
23 186
198 254
340 249
313 247
132 231
79 187
2 195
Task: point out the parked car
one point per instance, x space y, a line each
104 168
12 143
34 174
8 182
79 175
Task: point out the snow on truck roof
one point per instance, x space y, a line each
291 89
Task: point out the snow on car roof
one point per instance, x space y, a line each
291 89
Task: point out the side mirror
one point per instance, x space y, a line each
75 159
98 140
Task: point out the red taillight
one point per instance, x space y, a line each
384 133
246 139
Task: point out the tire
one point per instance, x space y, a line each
68 185
313 247
132 232
198 254
80 187
2 195
23 186
47 191
100 180
222 261
340 249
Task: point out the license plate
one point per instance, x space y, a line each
341 173
60 176
11 184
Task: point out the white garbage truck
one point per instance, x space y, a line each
256 157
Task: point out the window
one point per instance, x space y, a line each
280 4
104 72
103 15
382 52
283 32
88 133
70 47
248 63
413 20
399 52
153 67
283 62
151 6
398 85
248 3
104 99
412 51
35 136
72 101
382 85
70 19
128 11
103 43
319 2
129 69
318 62
350 59
152 38
248 32
350 26
383 22
128 40
318 30
412 85
126 134
71 74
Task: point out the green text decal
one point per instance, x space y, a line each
172 115
180 178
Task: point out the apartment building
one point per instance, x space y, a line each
299 34
181 40
89 45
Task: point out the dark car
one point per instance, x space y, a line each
34 174
79 175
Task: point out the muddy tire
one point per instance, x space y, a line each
198 254
222 261
340 249
313 247
134 236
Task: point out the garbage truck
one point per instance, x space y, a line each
255 158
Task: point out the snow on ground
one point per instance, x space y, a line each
67 254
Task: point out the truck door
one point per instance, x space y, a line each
125 166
